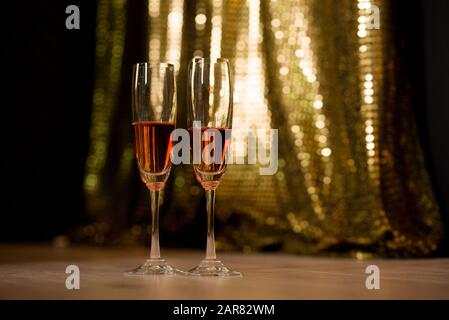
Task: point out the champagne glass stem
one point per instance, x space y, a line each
210 249
155 251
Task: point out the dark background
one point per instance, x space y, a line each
47 79
48 74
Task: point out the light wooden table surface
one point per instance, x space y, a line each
38 272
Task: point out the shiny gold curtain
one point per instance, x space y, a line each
351 172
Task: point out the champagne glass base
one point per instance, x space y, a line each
213 268
154 267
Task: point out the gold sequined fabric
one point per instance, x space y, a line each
351 174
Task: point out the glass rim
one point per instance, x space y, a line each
152 65
209 60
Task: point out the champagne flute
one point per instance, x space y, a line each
153 112
210 120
